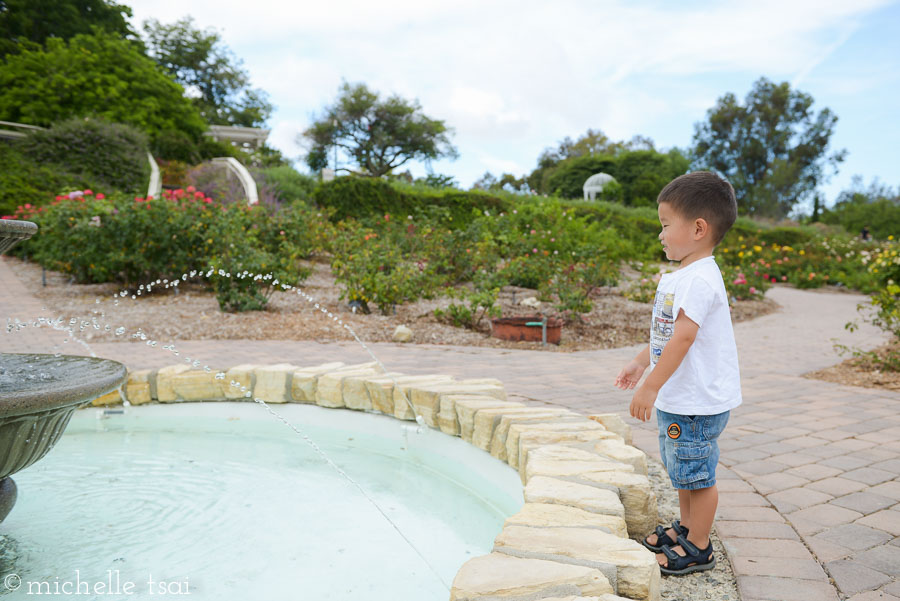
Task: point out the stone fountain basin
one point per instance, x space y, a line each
38 394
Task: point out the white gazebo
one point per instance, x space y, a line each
595 184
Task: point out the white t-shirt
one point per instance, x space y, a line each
708 380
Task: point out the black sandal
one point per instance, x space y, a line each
695 560
662 537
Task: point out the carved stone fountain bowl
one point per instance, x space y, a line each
38 394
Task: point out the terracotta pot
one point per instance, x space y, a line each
515 328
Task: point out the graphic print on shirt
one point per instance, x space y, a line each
663 323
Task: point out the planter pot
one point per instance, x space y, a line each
518 328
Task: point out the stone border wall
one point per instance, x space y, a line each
586 489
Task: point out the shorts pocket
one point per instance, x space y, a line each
692 461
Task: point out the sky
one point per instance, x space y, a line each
512 78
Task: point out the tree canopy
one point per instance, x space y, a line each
375 135
773 148
35 21
93 75
639 174
592 142
213 77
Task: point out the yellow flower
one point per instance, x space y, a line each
757 247
786 248
724 250
891 237
741 254
802 252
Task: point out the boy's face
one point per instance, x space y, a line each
679 235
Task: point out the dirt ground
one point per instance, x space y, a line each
193 314
860 372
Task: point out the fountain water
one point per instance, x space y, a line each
39 393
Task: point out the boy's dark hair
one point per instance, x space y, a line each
702 194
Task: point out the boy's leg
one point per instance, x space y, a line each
684 506
701 506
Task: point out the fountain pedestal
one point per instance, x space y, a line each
39 393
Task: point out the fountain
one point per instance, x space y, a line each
39 393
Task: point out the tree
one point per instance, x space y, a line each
375 135
640 175
35 21
211 74
507 182
773 148
876 207
593 142
94 75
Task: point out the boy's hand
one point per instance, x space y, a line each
630 375
642 403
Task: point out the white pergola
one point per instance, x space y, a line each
595 184
252 137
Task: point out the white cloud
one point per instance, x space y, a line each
512 77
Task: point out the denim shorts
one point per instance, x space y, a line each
688 445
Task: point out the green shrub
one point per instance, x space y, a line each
288 184
112 156
366 198
136 241
24 181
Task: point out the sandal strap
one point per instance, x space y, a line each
671 554
678 528
691 549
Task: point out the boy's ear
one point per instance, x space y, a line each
701 228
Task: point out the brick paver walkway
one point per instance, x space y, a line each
810 471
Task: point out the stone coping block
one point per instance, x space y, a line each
560 452
580 479
356 393
487 420
448 419
330 386
273 382
304 380
529 441
386 393
606 597
624 453
467 409
238 381
542 489
165 385
427 398
555 428
198 385
501 577
549 515
614 423
501 432
631 569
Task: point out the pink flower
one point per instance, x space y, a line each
88 192
752 290
101 196
191 189
755 272
281 232
533 231
784 278
27 205
534 250
774 279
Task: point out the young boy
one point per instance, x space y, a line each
694 381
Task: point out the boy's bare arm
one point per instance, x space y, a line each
683 335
